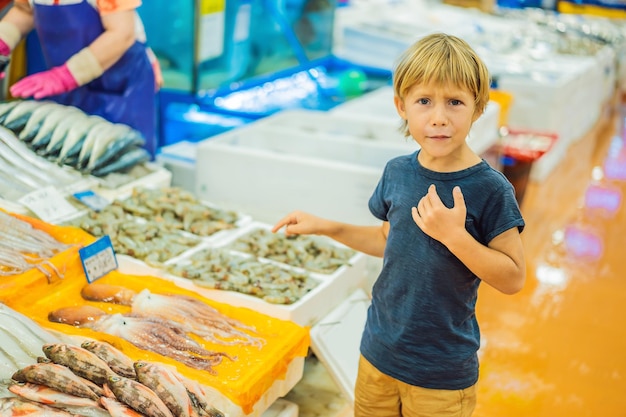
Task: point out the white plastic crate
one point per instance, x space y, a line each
329 123
268 172
336 340
180 160
282 408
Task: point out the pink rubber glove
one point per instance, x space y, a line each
47 83
5 50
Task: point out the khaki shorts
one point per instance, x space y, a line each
379 395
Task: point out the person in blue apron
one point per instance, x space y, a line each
96 56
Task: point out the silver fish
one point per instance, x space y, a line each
20 114
10 189
76 136
61 131
18 151
8 364
94 134
36 119
6 107
12 164
138 397
26 322
50 122
129 159
110 145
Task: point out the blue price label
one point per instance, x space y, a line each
98 259
92 200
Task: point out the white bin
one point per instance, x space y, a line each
267 172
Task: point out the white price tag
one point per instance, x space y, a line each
98 259
48 204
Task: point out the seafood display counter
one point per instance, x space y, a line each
225 255
243 360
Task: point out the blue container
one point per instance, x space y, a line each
182 117
318 85
193 123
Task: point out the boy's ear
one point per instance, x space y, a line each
399 103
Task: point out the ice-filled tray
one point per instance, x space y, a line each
157 224
317 292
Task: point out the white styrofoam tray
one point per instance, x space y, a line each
270 172
336 339
282 408
180 159
331 290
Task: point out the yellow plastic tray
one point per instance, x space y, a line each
243 381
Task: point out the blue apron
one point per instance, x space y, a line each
125 93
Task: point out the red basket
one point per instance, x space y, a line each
527 145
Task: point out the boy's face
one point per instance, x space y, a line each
439 118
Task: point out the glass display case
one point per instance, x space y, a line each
205 44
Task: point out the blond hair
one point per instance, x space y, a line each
442 59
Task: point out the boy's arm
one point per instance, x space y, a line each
501 264
370 240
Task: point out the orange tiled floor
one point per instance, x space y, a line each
558 347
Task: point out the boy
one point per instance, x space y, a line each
449 221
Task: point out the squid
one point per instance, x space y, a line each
194 315
154 334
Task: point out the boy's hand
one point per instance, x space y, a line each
435 219
299 223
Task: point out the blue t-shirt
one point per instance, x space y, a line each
421 326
